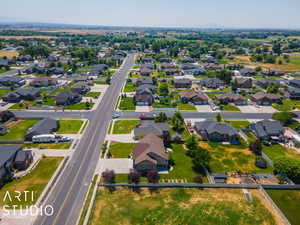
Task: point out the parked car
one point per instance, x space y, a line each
144 116
115 115
50 138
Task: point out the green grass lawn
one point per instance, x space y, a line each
93 94
124 126
18 131
231 158
239 124
35 181
121 150
186 107
288 201
159 105
129 87
100 82
59 90
287 105
231 108
61 145
183 165
251 136
179 206
69 126
79 106
127 103
275 151
3 92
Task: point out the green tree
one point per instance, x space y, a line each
288 167
219 117
162 117
285 118
201 159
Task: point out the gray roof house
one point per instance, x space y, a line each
211 130
142 81
143 97
265 82
22 94
267 130
247 72
23 160
12 81
150 127
81 88
295 83
67 98
182 83
213 83
292 93
45 126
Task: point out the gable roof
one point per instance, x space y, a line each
7 152
268 127
45 126
212 126
150 127
147 147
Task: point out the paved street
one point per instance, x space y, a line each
68 195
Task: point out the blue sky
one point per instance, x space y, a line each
177 13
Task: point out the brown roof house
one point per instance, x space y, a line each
43 82
145 71
182 83
231 98
262 98
193 97
150 153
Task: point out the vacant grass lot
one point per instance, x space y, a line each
79 106
127 103
69 126
124 126
275 151
35 181
180 206
183 165
92 94
18 130
231 158
186 107
62 145
121 150
288 202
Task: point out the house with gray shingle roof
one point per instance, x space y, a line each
267 130
45 126
211 130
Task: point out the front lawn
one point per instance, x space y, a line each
287 105
35 181
239 124
92 94
288 202
180 206
231 108
275 151
124 126
121 150
231 158
129 87
80 106
69 126
127 103
183 168
61 145
18 130
186 107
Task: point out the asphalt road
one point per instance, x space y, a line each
67 197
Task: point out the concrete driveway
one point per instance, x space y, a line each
204 108
256 109
119 166
99 88
124 138
143 108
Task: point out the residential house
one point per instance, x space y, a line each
244 82
267 130
43 82
4 63
165 60
98 69
150 127
67 98
295 83
270 72
208 59
149 153
3 130
292 93
56 70
211 130
147 60
80 88
262 98
213 83
231 98
152 88
193 97
196 72
182 83
247 72
45 126
12 81
23 160
141 81
28 94
189 66
265 82
143 97
145 71
7 157
186 60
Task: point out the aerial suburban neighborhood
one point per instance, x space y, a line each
149 125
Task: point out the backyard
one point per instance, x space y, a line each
178 206
275 151
231 158
18 129
35 181
288 202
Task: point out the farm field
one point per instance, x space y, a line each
178 206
